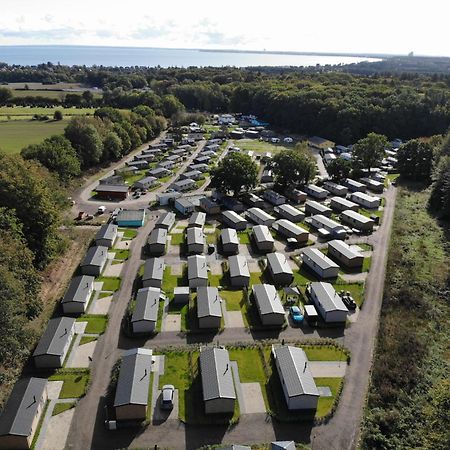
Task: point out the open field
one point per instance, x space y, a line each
31 111
260 146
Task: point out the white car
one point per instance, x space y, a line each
101 209
275 140
168 392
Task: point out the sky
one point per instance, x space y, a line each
350 26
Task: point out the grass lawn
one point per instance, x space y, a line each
172 281
87 339
356 291
177 239
128 233
109 283
96 323
61 407
216 280
75 382
212 238
233 299
104 294
391 177
365 247
366 264
17 134
31 111
303 276
324 353
122 254
256 278
244 237
160 316
326 403
261 146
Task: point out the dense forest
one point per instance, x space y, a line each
340 106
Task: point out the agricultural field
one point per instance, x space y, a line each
260 146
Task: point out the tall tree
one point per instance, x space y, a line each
369 151
415 160
112 147
234 173
339 169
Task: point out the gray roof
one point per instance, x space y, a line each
166 219
282 445
20 411
194 235
294 370
192 173
334 186
316 205
197 218
259 214
343 202
345 249
184 202
208 302
95 256
288 209
238 266
363 197
154 269
111 188
229 236
158 170
233 217
147 304
354 183
78 289
146 180
327 222
262 234
278 263
319 258
157 236
290 226
185 182
131 214
107 231
197 267
315 188
267 299
134 377
328 298
357 216
55 337
217 378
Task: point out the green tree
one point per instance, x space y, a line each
293 167
234 173
5 95
415 160
58 115
369 151
339 169
171 105
57 154
112 147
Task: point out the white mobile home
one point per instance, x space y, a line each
260 217
263 238
342 204
358 221
345 254
290 230
78 294
195 240
234 220
230 241
156 242
316 191
197 219
153 272
335 189
373 185
274 197
268 303
354 186
279 268
365 200
336 230
94 261
197 271
184 206
166 221
209 310
107 235
319 263
288 212
145 314
312 207
328 302
239 271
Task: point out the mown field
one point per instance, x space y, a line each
409 398
261 146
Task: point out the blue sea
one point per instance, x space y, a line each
140 56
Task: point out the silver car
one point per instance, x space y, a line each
168 391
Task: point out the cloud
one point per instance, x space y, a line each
62 33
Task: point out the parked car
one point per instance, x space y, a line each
296 315
348 300
101 209
168 392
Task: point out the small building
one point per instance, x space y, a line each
267 176
197 271
54 344
184 206
94 261
181 295
253 200
159 172
138 164
365 200
167 164
166 221
288 212
22 413
373 185
111 191
328 302
274 197
300 390
239 271
195 240
264 240
268 303
358 221
209 310
320 143
164 198
197 219
312 208
336 230
183 185
192 174
260 217
78 294
234 220
133 384
295 195
279 268
342 204
156 242
289 229
145 314
131 218
335 189
354 186
209 206
107 235
316 191
219 395
232 204
145 183
345 254
230 241
319 263
201 159
200 167
153 273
